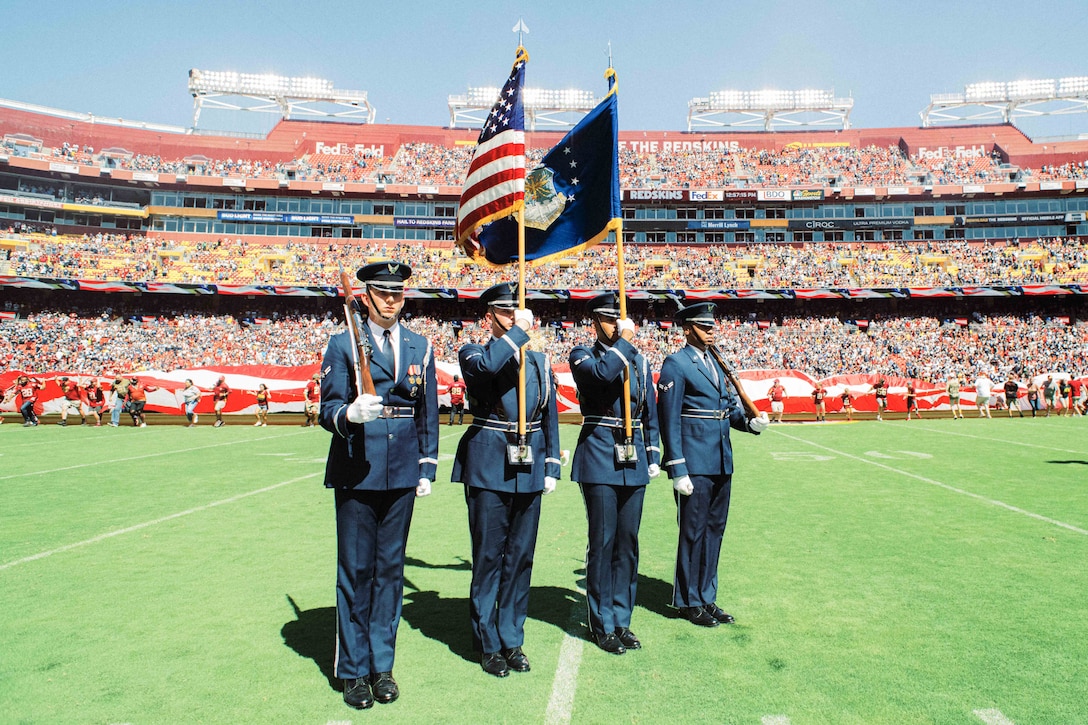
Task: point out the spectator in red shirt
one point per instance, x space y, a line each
313 395
70 390
219 395
26 396
457 400
777 394
137 398
95 400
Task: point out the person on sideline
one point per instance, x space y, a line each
611 470
953 387
383 454
263 396
190 396
983 389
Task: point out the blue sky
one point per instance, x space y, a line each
131 59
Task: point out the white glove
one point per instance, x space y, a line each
684 486
549 484
625 325
365 408
525 316
424 487
758 425
654 470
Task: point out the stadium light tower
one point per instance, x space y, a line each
766 109
1005 101
546 108
268 93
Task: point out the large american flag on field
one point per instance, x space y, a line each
495 185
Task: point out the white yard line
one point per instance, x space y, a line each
565 683
993 717
939 484
146 524
172 452
997 440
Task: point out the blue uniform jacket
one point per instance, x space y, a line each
490 373
598 374
696 442
378 456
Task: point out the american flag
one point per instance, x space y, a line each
495 185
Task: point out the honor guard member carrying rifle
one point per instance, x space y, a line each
505 477
696 407
375 439
612 469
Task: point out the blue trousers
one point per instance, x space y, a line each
371 534
702 517
613 514
503 527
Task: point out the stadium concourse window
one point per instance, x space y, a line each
686 237
715 213
859 212
776 212
254 205
687 213
744 237
746 212
714 238
834 236
924 211
865 236
802 236
924 234
953 233
775 237
381 209
195 202
893 235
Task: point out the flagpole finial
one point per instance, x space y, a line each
521 29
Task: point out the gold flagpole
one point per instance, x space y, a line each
621 273
521 306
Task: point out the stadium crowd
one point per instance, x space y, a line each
922 347
911 263
435 164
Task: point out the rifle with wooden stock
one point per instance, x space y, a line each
749 407
360 346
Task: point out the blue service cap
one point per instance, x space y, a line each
388 276
702 313
503 295
607 304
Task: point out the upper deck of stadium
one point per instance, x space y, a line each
322 157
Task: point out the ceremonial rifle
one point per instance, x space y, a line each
749 407
360 345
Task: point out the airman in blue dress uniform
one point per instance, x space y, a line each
696 408
613 472
384 453
502 491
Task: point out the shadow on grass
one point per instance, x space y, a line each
1082 463
311 635
655 595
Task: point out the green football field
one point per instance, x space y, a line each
929 571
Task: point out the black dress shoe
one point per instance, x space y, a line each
715 611
385 687
610 643
630 641
357 693
516 659
699 616
494 664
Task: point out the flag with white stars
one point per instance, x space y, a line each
495 185
571 200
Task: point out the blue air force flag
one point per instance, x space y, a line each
572 199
